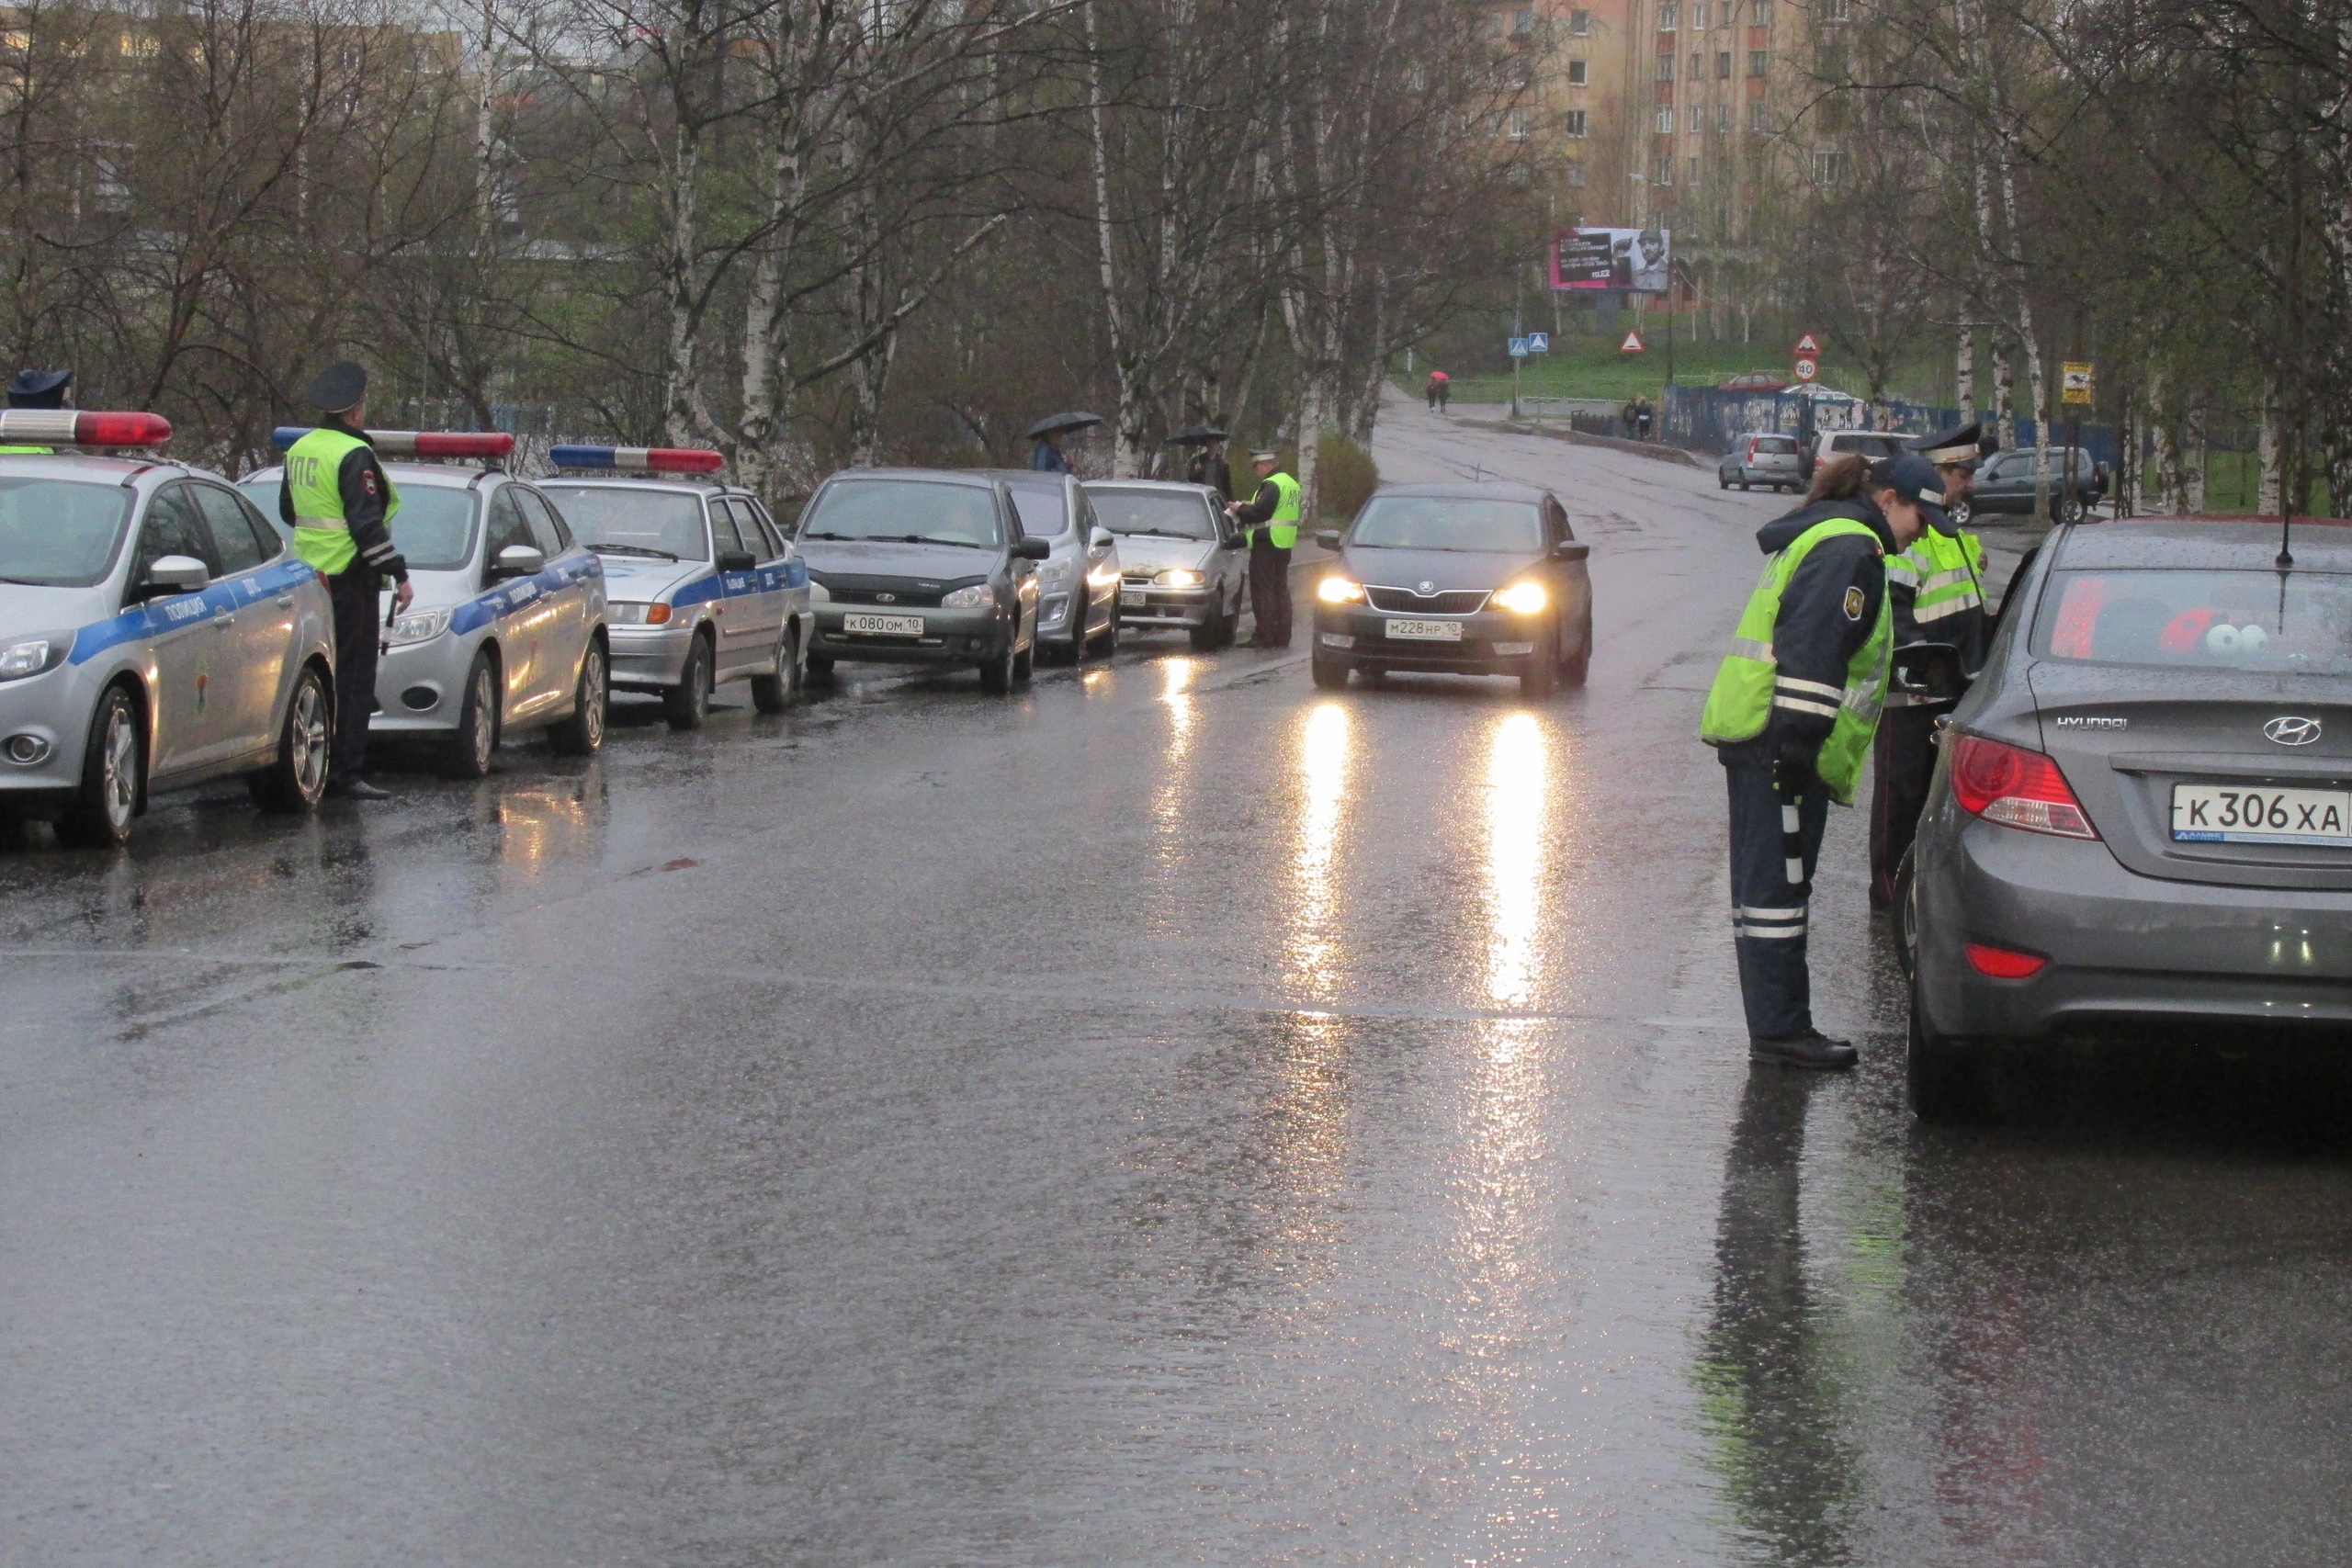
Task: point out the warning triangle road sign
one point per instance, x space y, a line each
1809 347
1633 344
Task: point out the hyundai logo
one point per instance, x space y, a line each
2288 730
886 598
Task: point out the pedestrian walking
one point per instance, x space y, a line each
1936 592
1440 387
341 503
1271 518
1791 716
1630 416
1642 416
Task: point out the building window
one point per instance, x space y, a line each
1755 118
1722 66
1694 119
1579 23
1834 10
1665 169
1760 13
1576 73
1698 66
1666 68
1573 122
1520 71
1666 122
1574 173
1666 16
1828 165
1694 168
1722 119
1755 63
1523 24
1515 125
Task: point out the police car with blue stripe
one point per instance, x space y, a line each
705 588
507 631
155 632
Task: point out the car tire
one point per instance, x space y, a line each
1722 483
113 766
1330 674
1210 634
295 782
582 733
997 671
1110 633
1943 1079
1025 665
780 688
819 669
468 754
1541 676
1233 620
687 704
1959 511
1904 912
1579 663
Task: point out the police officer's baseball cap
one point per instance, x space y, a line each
39 388
340 387
1913 479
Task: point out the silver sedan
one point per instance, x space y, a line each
1184 562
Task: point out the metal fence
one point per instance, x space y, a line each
1709 419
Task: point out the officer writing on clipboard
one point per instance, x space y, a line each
340 503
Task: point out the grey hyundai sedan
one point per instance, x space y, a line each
2143 811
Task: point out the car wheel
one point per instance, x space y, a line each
1025 665
780 688
2066 508
113 769
687 704
469 750
1111 633
1542 677
1330 674
1905 912
1724 483
1213 633
1579 663
582 734
1959 511
997 671
820 668
1944 1078
294 782
1233 620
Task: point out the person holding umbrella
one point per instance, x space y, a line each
1050 432
1207 465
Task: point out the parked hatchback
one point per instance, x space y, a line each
1762 458
1078 581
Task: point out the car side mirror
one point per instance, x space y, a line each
737 561
1928 670
1031 549
176 574
1099 540
1571 549
1327 537
519 560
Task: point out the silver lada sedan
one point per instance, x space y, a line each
506 632
155 633
1182 561
2141 817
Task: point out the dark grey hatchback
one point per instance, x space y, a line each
2143 811
914 565
1463 578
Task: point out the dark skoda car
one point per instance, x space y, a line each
1463 578
910 566
2143 811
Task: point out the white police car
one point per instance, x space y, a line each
155 633
705 587
506 632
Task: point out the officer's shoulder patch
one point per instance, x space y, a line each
1854 604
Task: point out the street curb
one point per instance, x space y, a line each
1652 449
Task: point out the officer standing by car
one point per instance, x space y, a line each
30 388
340 503
1271 518
1936 592
1791 716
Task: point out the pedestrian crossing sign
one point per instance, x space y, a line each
1633 344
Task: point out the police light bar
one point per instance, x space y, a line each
76 427
416 443
640 459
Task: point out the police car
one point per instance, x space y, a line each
155 633
506 632
706 588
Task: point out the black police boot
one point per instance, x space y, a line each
1811 1049
356 788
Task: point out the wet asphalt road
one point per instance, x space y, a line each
1174 1116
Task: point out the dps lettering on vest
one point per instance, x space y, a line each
1282 528
1739 704
314 471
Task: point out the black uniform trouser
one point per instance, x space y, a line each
1903 760
1269 590
357 636
1771 897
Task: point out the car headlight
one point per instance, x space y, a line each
1182 577
636 612
1052 573
34 654
421 626
1523 598
1339 591
819 593
979 596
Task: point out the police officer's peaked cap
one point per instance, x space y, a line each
1913 477
39 388
1264 456
1963 443
340 387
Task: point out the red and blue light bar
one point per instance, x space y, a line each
79 427
640 459
416 443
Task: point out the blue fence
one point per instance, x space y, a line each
1708 419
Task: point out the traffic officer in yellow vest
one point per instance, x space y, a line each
1271 517
1791 716
1935 590
31 388
340 503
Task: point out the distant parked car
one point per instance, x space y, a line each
2004 483
1752 381
1871 443
1762 458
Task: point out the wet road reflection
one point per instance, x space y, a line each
1313 950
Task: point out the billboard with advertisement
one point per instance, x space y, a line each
1632 259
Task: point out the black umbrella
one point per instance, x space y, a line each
1196 436
1052 422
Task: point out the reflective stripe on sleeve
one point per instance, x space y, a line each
1749 647
1902 572
332 525
1944 579
1861 704
1799 704
1943 607
1815 688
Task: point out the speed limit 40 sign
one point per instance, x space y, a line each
1807 369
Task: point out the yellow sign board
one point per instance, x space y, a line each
2074 383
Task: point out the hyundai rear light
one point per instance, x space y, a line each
2002 964
2022 789
1751 449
